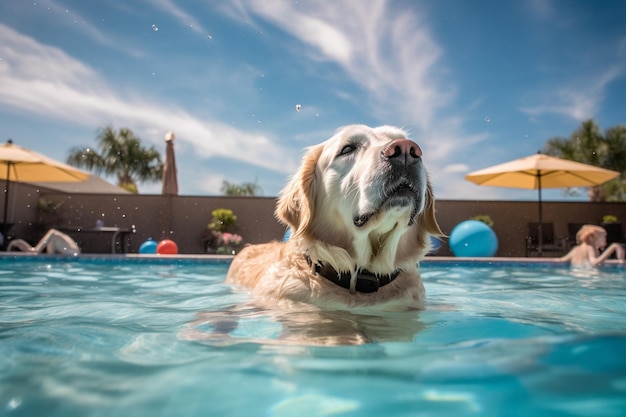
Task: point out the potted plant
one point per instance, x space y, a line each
609 219
229 242
48 213
485 218
220 236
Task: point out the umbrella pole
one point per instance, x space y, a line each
540 227
6 206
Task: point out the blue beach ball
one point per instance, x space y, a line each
472 238
148 247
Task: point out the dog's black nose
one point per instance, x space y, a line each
402 147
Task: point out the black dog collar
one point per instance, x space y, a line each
366 281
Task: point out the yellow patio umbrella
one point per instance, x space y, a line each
23 165
541 171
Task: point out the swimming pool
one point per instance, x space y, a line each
90 337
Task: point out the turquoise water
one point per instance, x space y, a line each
130 338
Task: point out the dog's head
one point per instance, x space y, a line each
362 199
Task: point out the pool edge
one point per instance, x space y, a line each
202 258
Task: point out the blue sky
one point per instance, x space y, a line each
476 82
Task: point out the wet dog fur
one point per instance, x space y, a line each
360 201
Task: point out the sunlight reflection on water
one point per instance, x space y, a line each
101 338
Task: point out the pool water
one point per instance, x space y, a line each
169 338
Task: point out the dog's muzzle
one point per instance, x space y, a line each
403 181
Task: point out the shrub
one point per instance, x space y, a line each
485 218
223 220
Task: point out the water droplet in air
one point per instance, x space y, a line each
209 37
298 107
487 120
155 28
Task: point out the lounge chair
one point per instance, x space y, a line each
54 242
614 233
572 229
550 244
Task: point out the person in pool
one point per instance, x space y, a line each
591 239
54 242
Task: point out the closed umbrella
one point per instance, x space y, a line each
23 165
541 171
170 176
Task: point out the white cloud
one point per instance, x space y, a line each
313 30
580 100
456 168
389 53
209 183
543 9
44 80
70 18
394 58
171 9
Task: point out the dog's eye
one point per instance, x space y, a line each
348 149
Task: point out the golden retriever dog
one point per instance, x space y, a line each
361 210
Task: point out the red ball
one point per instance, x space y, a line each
167 247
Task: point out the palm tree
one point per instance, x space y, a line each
244 189
588 145
616 160
121 154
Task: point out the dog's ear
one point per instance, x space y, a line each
296 203
427 223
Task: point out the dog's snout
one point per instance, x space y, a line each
402 147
